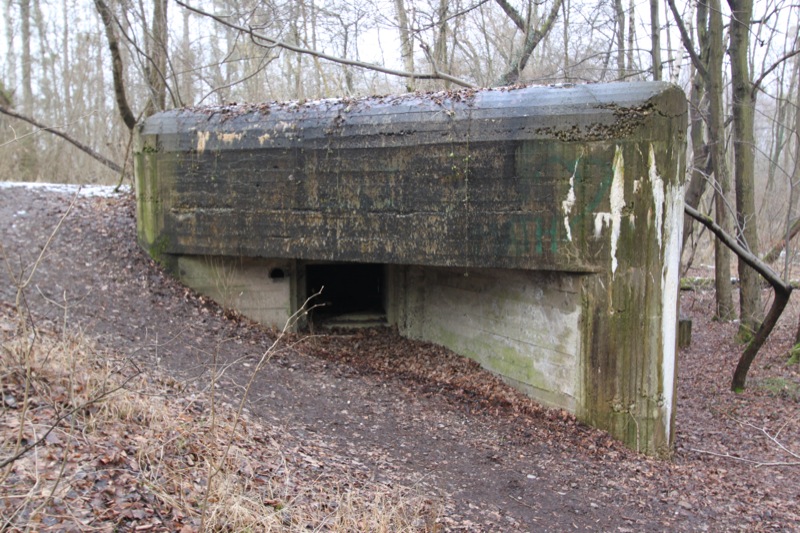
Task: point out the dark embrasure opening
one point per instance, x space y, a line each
346 288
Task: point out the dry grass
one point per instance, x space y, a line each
113 448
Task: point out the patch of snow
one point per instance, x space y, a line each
103 191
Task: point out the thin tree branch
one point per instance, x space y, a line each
776 249
314 53
687 40
781 289
760 79
512 13
84 148
28 447
757 264
757 464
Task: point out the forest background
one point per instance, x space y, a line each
89 71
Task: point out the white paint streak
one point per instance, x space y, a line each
569 203
202 139
617 205
658 192
670 283
263 138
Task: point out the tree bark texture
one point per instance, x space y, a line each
533 36
117 67
27 60
620 35
702 162
655 39
157 61
744 161
406 43
716 134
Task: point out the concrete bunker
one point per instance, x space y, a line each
536 230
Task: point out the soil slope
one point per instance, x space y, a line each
416 415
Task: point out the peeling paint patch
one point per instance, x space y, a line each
617 204
569 202
658 192
202 139
600 220
229 138
264 138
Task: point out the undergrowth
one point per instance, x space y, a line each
93 442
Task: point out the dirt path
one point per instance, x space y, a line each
415 414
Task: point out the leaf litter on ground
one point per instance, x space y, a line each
146 452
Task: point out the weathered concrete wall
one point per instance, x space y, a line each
522 325
511 179
260 289
582 182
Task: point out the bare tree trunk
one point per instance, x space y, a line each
28 154
744 163
348 72
11 55
565 16
631 68
795 180
156 71
66 70
440 44
702 164
299 86
620 16
655 39
701 161
716 131
50 101
117 67
186 95
27 60
673 59
709 65
322 88
406 43
779 129
533 36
